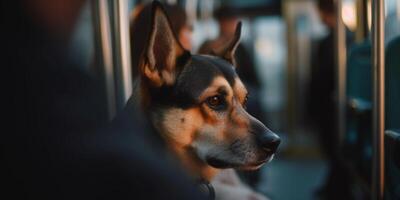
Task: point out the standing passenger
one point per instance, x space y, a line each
323 108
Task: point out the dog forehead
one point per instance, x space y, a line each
218 85
216 63
207 67
201 72
225 71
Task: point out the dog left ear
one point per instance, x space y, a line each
163 50
228 53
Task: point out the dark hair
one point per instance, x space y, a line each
140 29
226 12
327 6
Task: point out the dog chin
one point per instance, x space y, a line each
222 164
251 167
256 165
219 163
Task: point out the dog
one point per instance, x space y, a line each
197 104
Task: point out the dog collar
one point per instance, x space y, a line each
206 187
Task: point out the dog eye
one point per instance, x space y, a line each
216 102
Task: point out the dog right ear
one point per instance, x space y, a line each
228 52
163 51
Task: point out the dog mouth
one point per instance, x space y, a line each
254 165
219 163
258 163
222 164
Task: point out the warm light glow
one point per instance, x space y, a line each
349 14
264 48
369 16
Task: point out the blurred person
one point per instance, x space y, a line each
55 146
323 107
140 29
227 18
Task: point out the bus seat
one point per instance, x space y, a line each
358 88
392 64
392 164
359 80
359 106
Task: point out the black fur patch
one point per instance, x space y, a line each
196 75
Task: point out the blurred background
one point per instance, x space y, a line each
289 58
288 48
307 64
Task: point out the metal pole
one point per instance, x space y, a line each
122 51
362 20
291 68
378 67
340 53
103 51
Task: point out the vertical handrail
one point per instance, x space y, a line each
121 51
103 50
291 69
362 30
341 73
378 71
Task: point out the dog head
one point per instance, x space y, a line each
197 102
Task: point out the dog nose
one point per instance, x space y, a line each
269 142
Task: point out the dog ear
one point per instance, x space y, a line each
228 52
163 51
